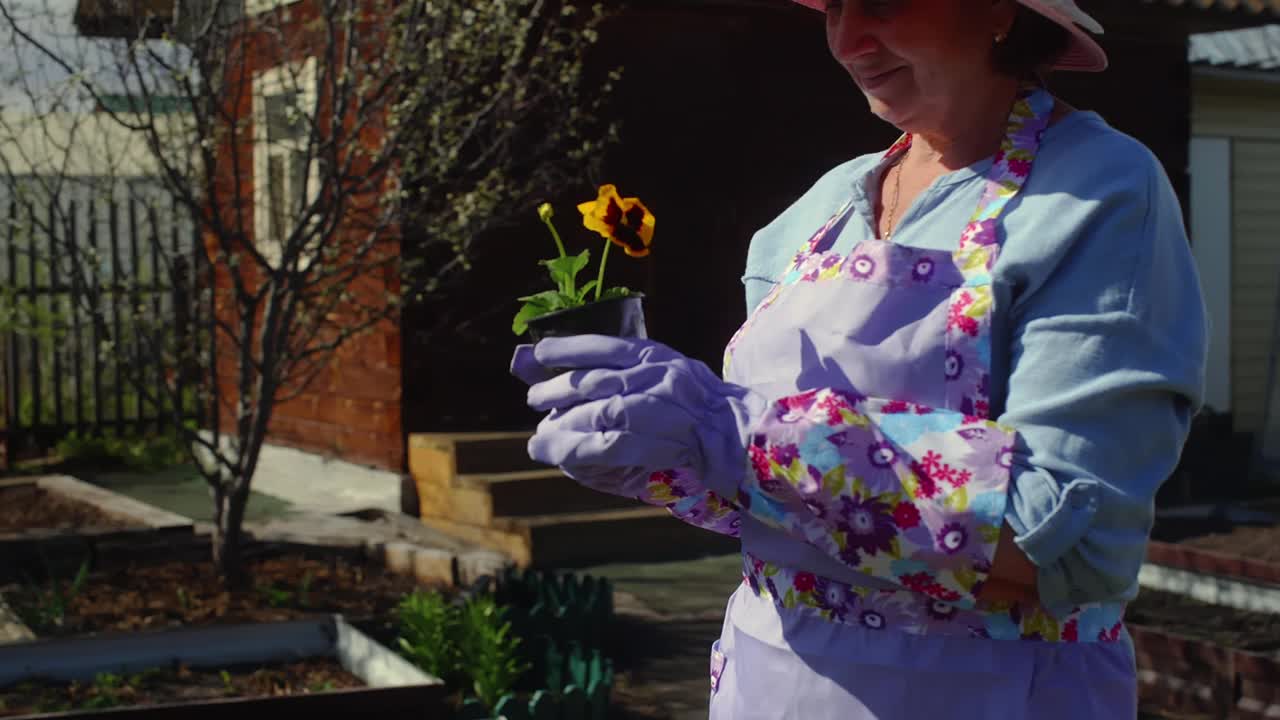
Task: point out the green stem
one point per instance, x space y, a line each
556 236
566 289
604 256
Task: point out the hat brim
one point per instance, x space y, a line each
1084 54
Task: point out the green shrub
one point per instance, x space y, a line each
143 453
490 651
469 645
429 627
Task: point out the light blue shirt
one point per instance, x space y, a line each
1098 339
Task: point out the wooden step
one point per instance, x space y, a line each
455 481
563 540
533 492
476 453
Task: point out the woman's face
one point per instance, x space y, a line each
914 59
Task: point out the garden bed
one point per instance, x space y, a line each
57 503
1257 632
62 518
180 684
1206 625
27 506
321 666
1200 660
183 589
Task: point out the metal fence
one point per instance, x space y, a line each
103 299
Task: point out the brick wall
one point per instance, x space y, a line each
351 410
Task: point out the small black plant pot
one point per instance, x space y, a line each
620 317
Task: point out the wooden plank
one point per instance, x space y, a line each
513 541
427 439
433 468
485 480
644 534
594 516
114 503
549 493
481 453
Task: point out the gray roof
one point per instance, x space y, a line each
1251 49
1253 7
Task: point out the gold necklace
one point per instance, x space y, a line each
897 191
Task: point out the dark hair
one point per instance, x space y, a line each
1033 44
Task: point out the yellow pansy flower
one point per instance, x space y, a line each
626 222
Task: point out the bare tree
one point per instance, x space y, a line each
299 144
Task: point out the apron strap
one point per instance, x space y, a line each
1009 171
980 240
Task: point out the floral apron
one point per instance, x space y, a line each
877 462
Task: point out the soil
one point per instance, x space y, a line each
27 507
1257 540
177 685
1229 627
184 592
1254 542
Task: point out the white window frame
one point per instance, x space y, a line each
257 7
297 77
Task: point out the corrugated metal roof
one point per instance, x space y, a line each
1250 49
1251 6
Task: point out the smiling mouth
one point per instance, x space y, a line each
870 82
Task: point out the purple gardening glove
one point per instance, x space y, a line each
627 408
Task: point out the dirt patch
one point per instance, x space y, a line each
1245 528
176 685
28 507
283 585
1228 627
1253 542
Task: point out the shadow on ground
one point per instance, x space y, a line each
668 614
662 668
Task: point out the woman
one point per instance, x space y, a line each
941 429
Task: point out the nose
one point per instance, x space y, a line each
851 35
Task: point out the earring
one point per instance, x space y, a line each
1000 37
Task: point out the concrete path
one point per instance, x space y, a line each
287 481
315 484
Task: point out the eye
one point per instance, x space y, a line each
880 8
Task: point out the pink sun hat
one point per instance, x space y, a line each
1084 54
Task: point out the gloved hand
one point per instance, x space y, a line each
627 408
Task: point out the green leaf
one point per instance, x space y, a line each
530 311
552 299
582 294
615 292
538 305
564 270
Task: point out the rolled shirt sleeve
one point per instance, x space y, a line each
1106 363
